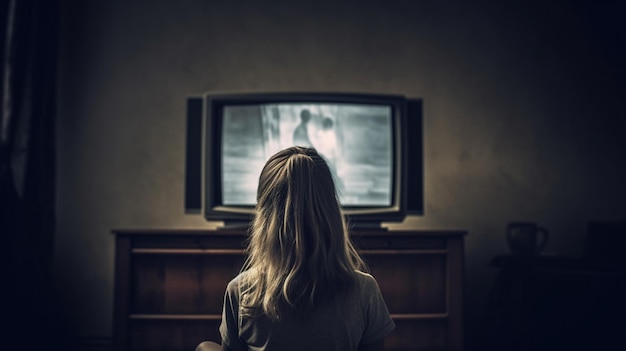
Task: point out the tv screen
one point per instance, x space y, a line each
356 140
362 137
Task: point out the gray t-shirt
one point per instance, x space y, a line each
361 318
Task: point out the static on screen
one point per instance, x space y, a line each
355 139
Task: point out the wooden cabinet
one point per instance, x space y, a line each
169 285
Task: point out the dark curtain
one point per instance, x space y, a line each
27 173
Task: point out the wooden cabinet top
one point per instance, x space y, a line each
236 232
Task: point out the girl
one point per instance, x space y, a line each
302 286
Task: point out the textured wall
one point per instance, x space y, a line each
524 114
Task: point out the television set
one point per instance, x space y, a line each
372 142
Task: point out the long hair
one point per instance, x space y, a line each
299 250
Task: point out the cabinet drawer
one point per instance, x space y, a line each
411 283
191 242
179 284
391 242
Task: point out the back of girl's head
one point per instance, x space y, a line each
299 248
298 183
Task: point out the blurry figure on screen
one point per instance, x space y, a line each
303 286
326 144
301 133
326 141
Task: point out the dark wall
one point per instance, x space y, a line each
523 107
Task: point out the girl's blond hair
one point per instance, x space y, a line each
299 250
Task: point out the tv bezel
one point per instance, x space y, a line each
368 216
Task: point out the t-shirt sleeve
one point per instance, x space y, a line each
379 323
229 328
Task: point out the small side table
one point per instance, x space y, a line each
546 302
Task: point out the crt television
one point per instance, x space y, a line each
373 143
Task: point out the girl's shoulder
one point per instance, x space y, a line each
242 283
234 285
366 280
364 275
